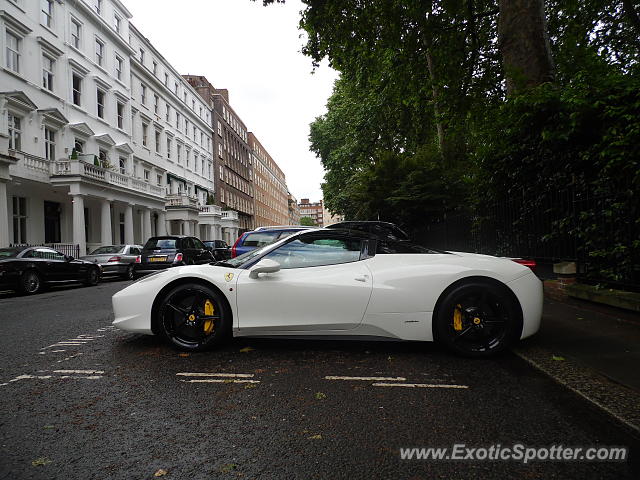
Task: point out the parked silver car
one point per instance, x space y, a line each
115 259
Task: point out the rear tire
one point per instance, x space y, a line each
30 282
128 274
478 319
93 277
182 317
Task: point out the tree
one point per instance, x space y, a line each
307 222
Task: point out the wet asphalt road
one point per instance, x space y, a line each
123 412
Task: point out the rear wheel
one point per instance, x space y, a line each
30 282
128 274
93 277
194 317
478 319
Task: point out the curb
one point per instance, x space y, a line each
617 401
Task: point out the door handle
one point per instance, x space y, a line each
362 278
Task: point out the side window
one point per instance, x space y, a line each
134 251
198 244
48 254
313 251
188 244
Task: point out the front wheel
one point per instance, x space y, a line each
194 317
93 277
478 319
128 274
30 282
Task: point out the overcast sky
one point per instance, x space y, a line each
254 52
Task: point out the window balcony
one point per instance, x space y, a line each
181 200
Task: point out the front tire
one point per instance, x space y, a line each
128 274
478 319
30 282
194 317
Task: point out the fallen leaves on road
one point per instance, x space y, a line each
38 462
48 427
228 467
250 385
557 358
183 355
160 473
320 396
246 350
315 437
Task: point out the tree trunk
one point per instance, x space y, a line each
524 44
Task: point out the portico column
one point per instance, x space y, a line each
105 236
162 223
185 227
146 222
79 234
4 215
128 224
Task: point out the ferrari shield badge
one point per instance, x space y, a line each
228 276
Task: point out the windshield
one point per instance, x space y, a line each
108 249
8 252
160 243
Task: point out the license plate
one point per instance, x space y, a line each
157 259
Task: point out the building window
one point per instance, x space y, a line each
186 126
168 112
77 89
176 88
100 102
78 146
99 52
157 141
177 120
104 158
220 150
166 79
156 103
143 93
178 152
120 114
155 68
47 72
15 133
123 165
49 144
119 67
141 55
159 180
117 22
46 17
193 105
195 131
13 52
168 148
19 220
98 6
146 175
76 29
187 154
219 128
145 129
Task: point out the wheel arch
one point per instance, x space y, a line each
473 279
183 281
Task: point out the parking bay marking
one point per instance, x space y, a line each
206 377
418 385
66 374
368 379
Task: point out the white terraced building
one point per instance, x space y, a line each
101 140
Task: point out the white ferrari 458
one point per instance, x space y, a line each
339 284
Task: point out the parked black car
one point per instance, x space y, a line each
171 251
30 269
219 248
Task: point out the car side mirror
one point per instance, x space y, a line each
266 265
208 248
68 258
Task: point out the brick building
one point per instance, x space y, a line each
233 168
269 186
314 210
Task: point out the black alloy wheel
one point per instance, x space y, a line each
194 317
93 277
478 319
128 274
30 282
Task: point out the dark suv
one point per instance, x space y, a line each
219 248
171 251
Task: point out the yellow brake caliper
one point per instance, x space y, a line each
457 318
208 311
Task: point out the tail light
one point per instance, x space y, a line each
138 259
234 252
178 258
114 259
527 263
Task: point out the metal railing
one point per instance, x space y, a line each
70 249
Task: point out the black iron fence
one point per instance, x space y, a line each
561 226
70 249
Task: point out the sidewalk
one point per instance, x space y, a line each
593 350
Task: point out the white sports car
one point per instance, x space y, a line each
339 283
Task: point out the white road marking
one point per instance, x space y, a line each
86 372
57 351
418 385
230 375
219 380
387 379
70 357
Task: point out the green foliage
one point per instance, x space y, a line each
307 222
